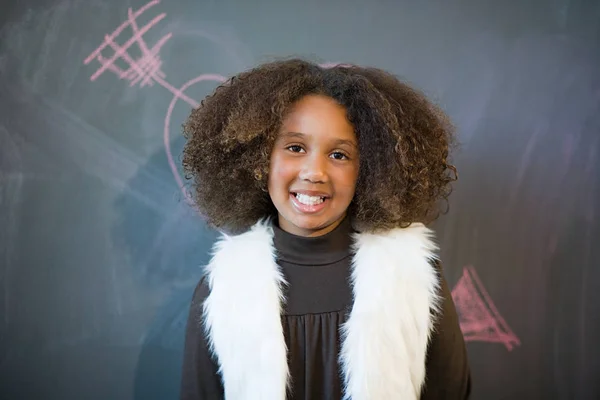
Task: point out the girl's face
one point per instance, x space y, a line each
313 167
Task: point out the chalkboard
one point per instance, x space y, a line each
100 249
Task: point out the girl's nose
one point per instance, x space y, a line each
314 169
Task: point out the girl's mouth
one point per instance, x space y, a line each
308 204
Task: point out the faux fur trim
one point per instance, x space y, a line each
243 316
384 340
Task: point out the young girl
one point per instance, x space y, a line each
325 283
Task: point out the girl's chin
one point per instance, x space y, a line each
308 225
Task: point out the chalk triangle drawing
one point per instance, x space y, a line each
479 319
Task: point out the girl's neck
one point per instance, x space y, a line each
314 251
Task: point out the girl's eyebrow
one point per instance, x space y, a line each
288 135
350 143
300 135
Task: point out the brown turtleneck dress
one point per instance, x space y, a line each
318 301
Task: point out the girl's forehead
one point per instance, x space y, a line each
319 117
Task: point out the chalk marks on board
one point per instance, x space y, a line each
145 70
479 318
166 135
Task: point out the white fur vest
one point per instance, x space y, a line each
384 341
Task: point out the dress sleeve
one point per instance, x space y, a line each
200 379
448 374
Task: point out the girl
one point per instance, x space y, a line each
325 283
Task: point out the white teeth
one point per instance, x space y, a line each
309 200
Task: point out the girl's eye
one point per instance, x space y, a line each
295 148
339 156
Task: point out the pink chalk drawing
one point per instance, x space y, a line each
145 70
478 316
479 319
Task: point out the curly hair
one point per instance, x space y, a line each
404 141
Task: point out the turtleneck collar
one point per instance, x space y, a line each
314 251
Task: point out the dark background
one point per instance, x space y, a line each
99 250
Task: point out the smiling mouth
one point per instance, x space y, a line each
308 204
308 198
